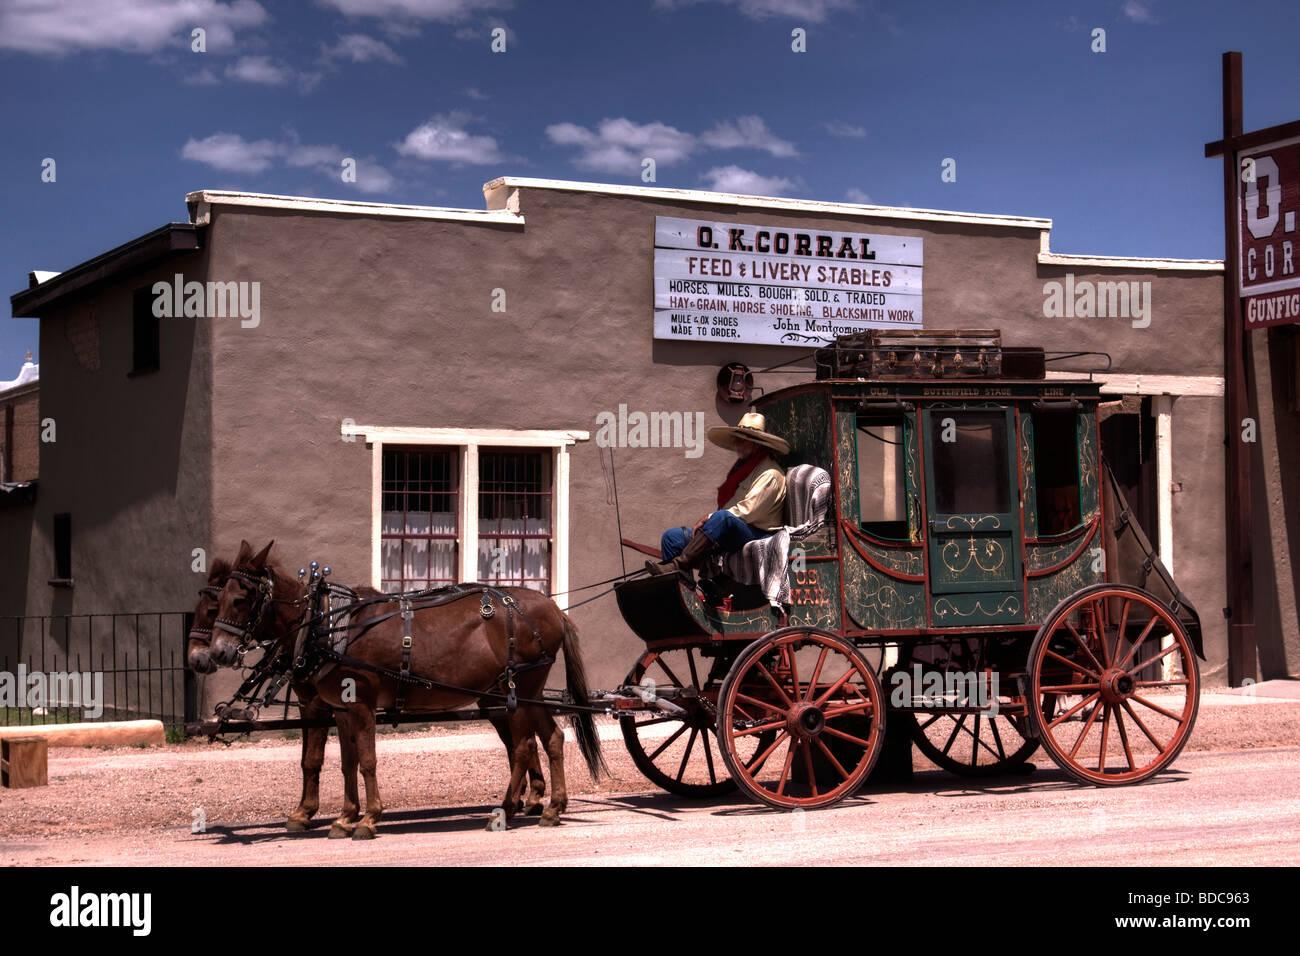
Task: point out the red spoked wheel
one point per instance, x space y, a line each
1114 685
801 719
677 753
970 744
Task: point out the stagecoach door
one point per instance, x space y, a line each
973 507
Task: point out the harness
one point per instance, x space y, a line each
318 649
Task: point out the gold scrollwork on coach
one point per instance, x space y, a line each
990 549
1009 605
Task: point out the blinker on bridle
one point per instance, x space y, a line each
205 630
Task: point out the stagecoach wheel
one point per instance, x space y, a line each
972 745
1114 685
678 754
821 699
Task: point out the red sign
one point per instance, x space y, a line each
1269 207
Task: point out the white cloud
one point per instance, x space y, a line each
442 11
258 69
444 138
747 132
55 27
360 48
733 179
230 152
204 77
812 11
1139 12
474 93
846 130
853 194
619 145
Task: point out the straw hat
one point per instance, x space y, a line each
752 427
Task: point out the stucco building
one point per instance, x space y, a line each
415 395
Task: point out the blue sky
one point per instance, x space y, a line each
1108 145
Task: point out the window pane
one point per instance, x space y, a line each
1056 471
882 480
418 526
514 501
970 472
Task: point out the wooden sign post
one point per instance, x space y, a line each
1262 217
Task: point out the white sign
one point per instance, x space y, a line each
779 285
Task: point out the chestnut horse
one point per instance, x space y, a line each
202 661
462 645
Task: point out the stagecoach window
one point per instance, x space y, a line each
970 471
514 518
882 477
1056 471
419 530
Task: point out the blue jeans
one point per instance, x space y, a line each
723 528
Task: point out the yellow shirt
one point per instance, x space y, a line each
759 499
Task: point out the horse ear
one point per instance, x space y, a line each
260 560
245 552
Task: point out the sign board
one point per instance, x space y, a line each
780 285
1268 207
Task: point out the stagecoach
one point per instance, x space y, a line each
959 566
958 571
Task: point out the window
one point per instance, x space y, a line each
419 524
144 333
514 518
62 549
882 477
452 504
971 474
1056 471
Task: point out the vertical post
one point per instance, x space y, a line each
560 529
1240 566
377 515
469 513
1162 407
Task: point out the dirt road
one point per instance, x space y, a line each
1215 807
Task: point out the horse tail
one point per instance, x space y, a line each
582 722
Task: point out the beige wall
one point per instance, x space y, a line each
389 322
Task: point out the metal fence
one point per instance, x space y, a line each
68 668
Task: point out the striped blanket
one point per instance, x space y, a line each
765 562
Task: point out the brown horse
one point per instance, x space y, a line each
203 661
456 644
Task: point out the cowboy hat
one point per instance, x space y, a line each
752 427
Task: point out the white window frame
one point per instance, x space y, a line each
467 442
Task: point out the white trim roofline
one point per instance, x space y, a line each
1048 258
201 201
492 189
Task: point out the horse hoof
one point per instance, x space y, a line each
296 824
363 832
339 832
534 809
548 820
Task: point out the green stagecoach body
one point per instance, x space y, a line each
968 530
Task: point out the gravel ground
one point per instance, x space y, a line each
102 790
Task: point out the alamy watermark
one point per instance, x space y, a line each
208 300
626 429
1086 299
919 687
37 689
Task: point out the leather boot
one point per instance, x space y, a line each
696 552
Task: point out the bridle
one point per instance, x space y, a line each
262 588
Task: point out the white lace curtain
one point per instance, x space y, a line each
504 558
414 562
